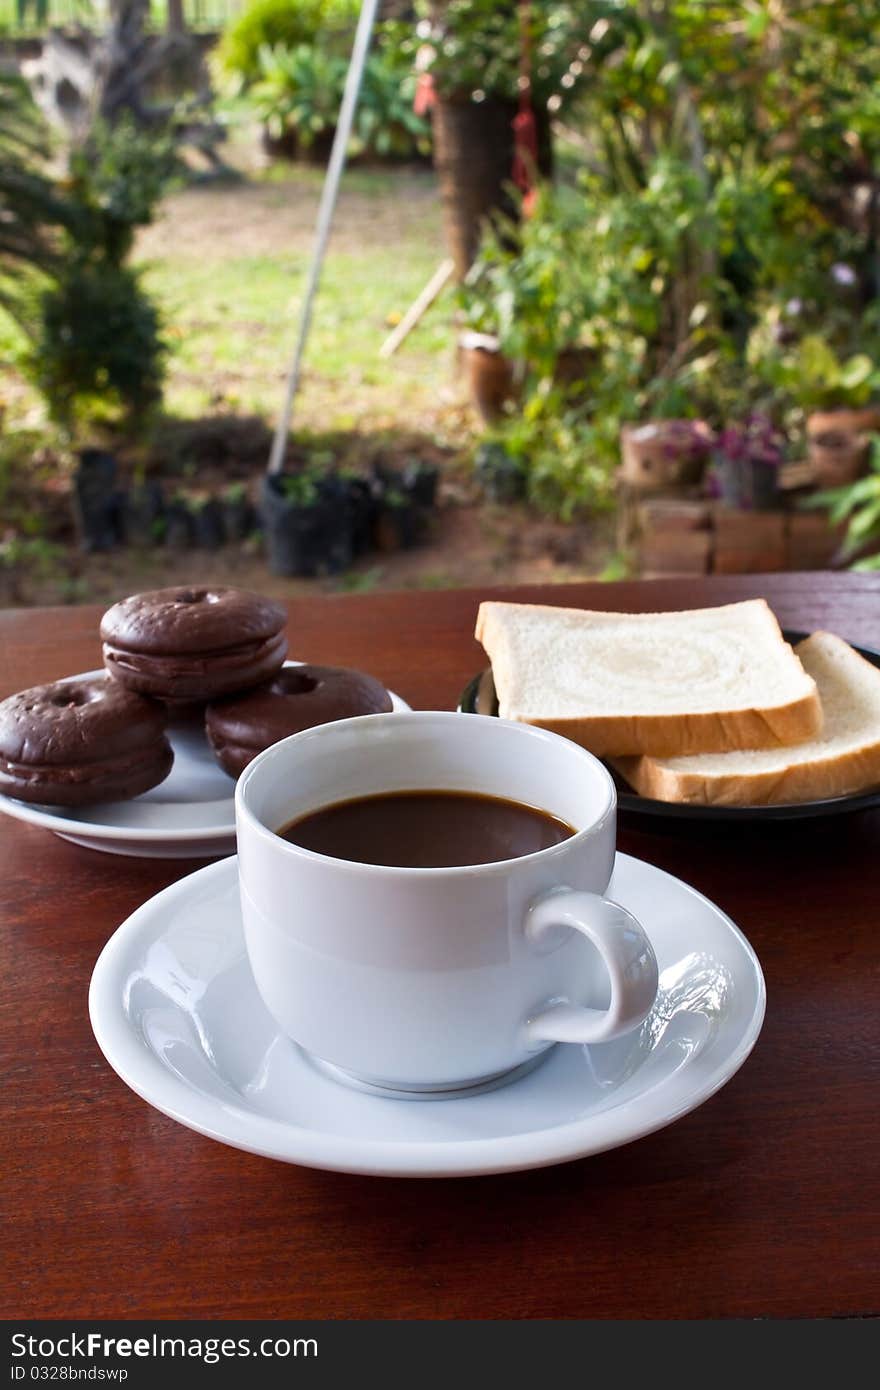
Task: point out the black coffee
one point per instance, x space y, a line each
427 829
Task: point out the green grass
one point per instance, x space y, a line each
232 318
231 309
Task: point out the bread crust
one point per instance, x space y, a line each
680 735
674 734
855 771
818 775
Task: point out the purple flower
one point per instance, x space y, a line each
756 439
794 307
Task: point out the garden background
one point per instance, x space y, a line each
656 350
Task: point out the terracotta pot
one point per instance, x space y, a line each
491 376
664 453
866 421
837 457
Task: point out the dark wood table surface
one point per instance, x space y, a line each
764 1202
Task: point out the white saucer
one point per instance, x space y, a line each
191 815
176 1013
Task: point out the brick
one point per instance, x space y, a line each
811 542
756 559
685 552
673 514
748 530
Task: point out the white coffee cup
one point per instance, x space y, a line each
429 979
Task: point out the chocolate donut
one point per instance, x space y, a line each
186 644
298 698
81 741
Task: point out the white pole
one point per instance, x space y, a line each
326 208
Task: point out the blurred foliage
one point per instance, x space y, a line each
94 335
719 252
808 372
99 347
326 24
114 184
31 207
858 504
300 90
472 47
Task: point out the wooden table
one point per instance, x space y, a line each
763 1202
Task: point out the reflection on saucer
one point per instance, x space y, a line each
690 1006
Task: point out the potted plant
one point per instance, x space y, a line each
500 474
398 523
469 58
528 305
143 507
239 517
491 376
179 528
209 531
840 394
360 504
297 99
402 501
746 461
837 395
97 500
420 483
858 504
306 521
664 453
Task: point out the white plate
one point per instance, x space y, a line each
191 815
176 1013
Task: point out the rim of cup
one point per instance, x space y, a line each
406 718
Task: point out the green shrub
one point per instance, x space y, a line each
95 340
476 45
300 94
385 122
289 23
808 372
31 207
115 183
567 461
99 344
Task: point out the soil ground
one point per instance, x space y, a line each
468 544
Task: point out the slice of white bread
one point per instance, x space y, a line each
844 758
670 684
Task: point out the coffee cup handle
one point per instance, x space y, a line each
627 955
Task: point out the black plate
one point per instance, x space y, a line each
478 697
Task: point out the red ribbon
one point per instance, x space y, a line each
525 130
425 95
525 149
